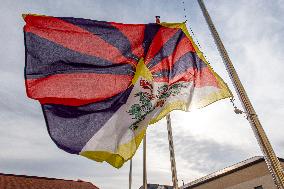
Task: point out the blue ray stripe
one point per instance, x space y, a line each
105 31
167 49
44 57
71 127
150 32
186 61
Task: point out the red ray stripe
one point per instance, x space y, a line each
201 78
72 37
183 47
76 89
135 34
205 77
163 35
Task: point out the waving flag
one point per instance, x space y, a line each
101 84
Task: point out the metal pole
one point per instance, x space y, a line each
271 159
144 144
130 174
171 144
144 164
172 153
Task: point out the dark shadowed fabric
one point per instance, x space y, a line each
79 122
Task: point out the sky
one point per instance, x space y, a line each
205 140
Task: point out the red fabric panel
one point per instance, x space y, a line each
163 35
205 77
135 34
76 89
201 78
72 37
183 47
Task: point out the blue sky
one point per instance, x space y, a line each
205 140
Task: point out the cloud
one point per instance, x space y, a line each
207 155
199 153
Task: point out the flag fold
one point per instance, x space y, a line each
100 84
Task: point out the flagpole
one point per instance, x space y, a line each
171 144
130 174
144 145
270 157
144 164
172 153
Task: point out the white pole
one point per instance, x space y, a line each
171 144
172 153
144 163
130 174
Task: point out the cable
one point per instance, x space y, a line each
191 31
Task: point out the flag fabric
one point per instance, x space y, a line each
100 84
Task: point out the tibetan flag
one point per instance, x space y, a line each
100 84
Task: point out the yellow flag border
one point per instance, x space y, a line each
127 151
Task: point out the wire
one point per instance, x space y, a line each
191 31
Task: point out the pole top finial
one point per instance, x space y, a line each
158 19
